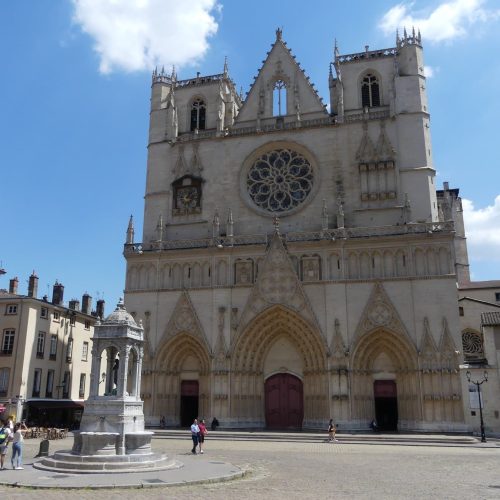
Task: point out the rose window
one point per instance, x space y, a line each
279 180
472 344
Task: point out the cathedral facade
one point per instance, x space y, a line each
297 261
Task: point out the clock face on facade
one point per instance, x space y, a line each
187 197
279 181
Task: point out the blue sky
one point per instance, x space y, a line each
75 100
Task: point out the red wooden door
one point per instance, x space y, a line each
284 402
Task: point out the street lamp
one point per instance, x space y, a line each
478 384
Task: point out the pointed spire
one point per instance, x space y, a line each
173 75
130 231
336 52
405 34
216 224
241 93
324 216
398 39
419 37
279 34
230 224
159 229
406 210
226 68
340 214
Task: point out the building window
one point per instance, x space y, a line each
53 347
85 351
65 385
11 309
4 381
37 378
87 325
198 114
473 347
72 320
460 311
56 316
279 180
81 391
279 98
497 296
69 350
40 345
44 313
49 389
370 91
8 342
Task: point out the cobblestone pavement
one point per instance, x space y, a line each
290 470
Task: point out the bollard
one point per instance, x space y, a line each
44 448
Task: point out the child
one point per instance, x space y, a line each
331 431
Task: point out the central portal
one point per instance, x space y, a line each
284 402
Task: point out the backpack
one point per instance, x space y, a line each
3 435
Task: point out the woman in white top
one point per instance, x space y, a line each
17 445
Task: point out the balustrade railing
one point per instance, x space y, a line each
293 236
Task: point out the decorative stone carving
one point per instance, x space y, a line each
243 272
379 312
310 268
277 283
184 319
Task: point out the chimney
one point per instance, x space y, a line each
86 303
33 285
13 283
58 294
74 304
100 308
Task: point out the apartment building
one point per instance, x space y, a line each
45 354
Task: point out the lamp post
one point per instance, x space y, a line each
478 384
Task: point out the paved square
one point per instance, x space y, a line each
312 470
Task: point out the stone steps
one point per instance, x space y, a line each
315 437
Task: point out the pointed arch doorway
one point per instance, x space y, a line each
386 404
284 399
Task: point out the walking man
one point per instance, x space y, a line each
4 441
195 430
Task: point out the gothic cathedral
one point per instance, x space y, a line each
297 261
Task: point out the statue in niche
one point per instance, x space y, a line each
116 366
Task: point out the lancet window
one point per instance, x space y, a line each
198 114
279 98
370 91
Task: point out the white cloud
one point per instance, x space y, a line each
482 228
429 71
135 35
447 21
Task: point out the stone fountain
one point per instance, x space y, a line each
112 435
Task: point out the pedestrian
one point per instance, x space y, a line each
4 442
17 445
162 422
332 430
195 430
215 424
202 434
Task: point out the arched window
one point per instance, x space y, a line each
279 98
370 91
198 112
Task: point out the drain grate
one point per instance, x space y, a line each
217 463
153 481
494 486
